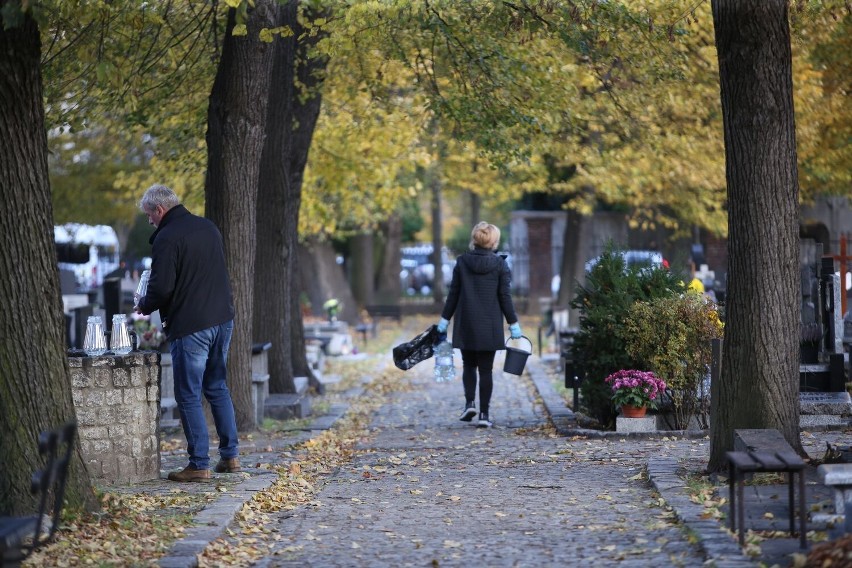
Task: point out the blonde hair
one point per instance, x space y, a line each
485 235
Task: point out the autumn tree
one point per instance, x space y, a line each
236 135
759 385
294 105
35 380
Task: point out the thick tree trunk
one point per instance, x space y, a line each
235 137
300 365
292 117
435 185
35 380
388 286
759 386
322 279
475 206
362 274
573 264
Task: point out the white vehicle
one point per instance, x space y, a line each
89 251
636 259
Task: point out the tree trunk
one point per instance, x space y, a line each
362 275
572 271
759 386
35 380
299 361
388 285
290 127
322 278
475 205
434 173
235 137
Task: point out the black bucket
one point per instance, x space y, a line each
516 359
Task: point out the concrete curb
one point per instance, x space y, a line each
718 544
210 523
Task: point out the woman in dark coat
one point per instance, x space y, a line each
479 298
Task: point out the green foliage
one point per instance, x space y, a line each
604 301
671 337
137 245
412 220
459 241
83 169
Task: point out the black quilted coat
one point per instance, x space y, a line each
479 299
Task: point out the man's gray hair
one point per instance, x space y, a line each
158 195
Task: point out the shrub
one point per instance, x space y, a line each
603 302
671 336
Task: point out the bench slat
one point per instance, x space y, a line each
768 462
742 460
792 459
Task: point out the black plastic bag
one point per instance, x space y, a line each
422 347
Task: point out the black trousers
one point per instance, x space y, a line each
482 361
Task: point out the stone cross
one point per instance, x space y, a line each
844 261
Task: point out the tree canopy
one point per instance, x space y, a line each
624 94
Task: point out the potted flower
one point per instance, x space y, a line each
635 391
332 307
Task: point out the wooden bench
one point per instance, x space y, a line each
766 451
21 536
838 476
385 311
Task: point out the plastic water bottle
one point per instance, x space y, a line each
141 288
444 368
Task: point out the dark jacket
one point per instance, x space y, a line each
479 298
189 280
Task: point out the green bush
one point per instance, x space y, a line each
603 302
671 336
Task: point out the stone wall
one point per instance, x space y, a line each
117 404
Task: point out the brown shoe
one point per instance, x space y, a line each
228 465
189 473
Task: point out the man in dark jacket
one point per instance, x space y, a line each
479 299
189 285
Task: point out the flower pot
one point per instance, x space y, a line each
629 411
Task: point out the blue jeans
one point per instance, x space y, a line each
199 362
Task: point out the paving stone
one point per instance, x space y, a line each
446 493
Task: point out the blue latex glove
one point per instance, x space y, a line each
515 330
442 326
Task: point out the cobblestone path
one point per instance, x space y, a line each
429 490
